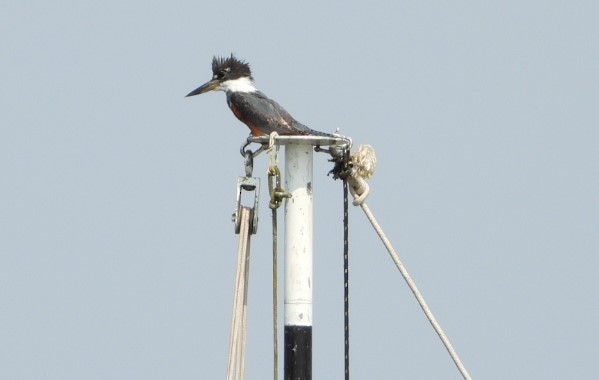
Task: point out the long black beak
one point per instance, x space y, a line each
208 86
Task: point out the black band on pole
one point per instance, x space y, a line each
298 353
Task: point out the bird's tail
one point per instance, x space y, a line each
318 133
305 130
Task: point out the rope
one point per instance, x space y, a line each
236 365
275 307
346 276
276 199
363 167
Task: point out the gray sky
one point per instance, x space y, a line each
117 254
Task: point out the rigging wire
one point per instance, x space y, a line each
275 291
363 166
276 199
417 294
346 270
237 345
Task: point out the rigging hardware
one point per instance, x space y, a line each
248 184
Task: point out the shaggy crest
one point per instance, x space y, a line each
231 67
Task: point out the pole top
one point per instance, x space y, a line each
338 141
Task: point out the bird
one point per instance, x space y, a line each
261 114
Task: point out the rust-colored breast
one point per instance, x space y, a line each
255 130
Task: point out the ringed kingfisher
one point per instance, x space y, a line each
261 114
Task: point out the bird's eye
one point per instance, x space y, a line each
220 75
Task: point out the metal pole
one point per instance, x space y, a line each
298 262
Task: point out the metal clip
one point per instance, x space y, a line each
247 184
277 194
249 155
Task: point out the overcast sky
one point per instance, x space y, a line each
117 253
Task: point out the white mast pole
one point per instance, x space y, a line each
298 260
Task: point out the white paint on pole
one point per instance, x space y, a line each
298 234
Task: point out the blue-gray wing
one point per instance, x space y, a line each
265 115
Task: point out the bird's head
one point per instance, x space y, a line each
228 74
